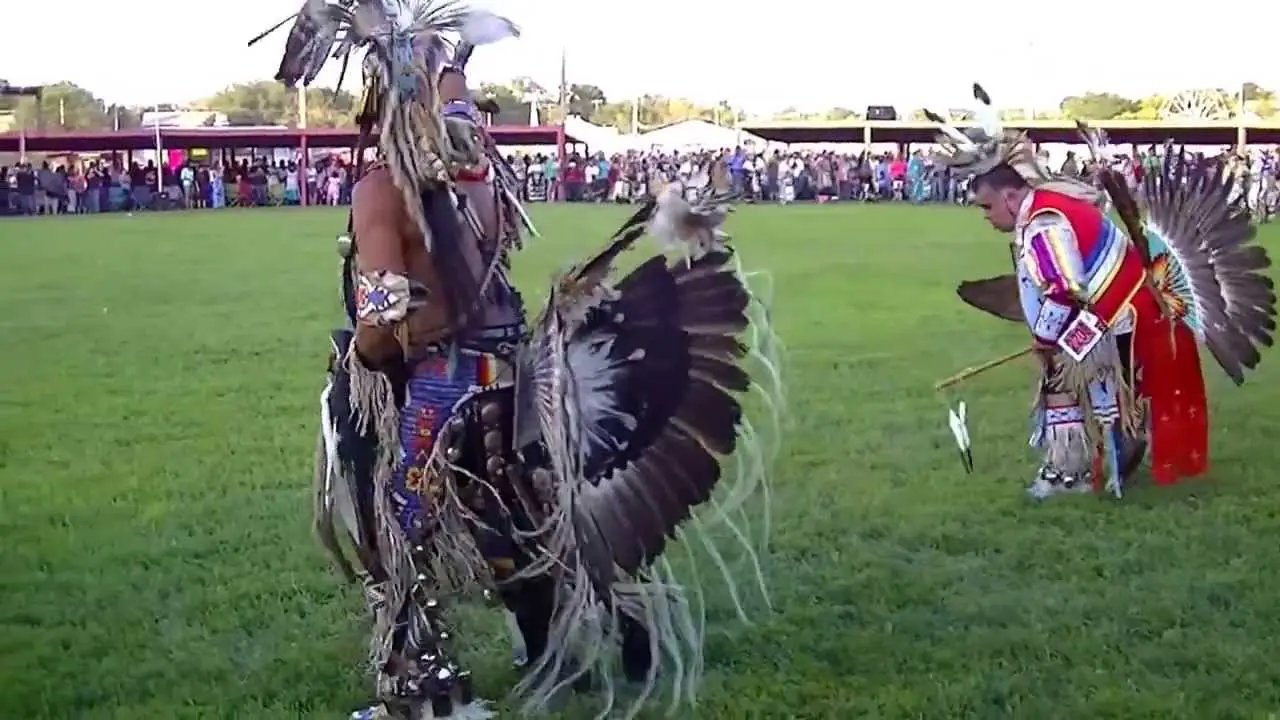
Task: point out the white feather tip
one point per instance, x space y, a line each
484 28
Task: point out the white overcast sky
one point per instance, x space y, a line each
810 54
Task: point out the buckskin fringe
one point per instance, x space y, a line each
760 442
373 408
1072 449
1069 448
456 563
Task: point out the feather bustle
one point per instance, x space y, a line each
1211 242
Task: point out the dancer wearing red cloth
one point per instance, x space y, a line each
1116 321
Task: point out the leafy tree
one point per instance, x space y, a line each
125 117
267 102
264 102
1096 106
1259 101
724 113
326 108
62 105
657 110
526 88
614 114
1146 108
502 94
513 109
1253 92
584 99
9 97
841 113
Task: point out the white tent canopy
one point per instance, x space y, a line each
694 135
598 138
680 136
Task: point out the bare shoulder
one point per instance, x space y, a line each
378 220
376 201
375 186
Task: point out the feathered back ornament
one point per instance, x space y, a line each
408 44
1113 183
979 150
400 31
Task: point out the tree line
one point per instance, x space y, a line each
68 106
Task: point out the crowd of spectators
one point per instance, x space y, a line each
106 185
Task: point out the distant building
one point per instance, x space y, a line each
185 119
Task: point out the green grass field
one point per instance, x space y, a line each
158 395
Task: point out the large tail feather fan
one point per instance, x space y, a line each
1206 261
642 389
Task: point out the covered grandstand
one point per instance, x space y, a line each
1135 132
1123 132
228 138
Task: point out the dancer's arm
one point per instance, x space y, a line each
1051 255
382 287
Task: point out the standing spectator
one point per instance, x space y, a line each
92 200
1070 167
25 184
551 173
187 176
75 190
48 190
292 194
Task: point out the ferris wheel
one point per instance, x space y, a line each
1196 105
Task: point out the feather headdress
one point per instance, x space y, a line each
978 150
407 44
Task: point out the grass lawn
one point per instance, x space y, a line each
158 395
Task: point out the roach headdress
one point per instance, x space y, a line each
407 44
978 150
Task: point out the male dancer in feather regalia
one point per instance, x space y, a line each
1114 321
551 464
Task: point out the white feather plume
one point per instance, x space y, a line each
958 420
484 28
987 115
990 121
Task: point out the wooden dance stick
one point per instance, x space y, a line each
978 369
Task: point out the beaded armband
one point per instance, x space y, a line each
1052 320
385 298
1074 329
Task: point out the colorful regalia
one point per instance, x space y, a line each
549 464
1117 308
